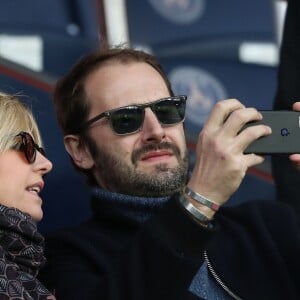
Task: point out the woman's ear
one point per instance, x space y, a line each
79 152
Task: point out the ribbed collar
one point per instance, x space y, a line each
130 208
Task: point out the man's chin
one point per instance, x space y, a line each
155 170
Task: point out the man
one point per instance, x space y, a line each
155 233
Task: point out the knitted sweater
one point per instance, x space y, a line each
252 252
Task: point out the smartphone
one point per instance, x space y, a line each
285 137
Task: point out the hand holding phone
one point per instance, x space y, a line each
285 137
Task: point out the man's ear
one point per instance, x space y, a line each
78 151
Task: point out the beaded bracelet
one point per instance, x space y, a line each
194 211
201 199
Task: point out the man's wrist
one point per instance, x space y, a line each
197 214
201 199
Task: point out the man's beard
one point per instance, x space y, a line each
119 176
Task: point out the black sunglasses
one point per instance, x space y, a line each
28 146
129 119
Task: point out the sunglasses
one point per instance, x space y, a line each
27 145
129 119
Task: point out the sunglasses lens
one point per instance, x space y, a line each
29 148
170 111
127 120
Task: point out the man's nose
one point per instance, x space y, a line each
152 130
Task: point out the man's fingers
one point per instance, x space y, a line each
221 111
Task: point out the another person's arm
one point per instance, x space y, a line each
295 158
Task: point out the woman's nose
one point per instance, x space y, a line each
42 163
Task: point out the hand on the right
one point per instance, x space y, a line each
221 164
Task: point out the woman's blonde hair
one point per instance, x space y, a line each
15 117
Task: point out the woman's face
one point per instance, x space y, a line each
21 182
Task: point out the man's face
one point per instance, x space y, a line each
151 162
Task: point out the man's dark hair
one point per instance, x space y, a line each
71 105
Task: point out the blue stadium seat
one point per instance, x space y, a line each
18 16
206 81
166 24
64 27
63 17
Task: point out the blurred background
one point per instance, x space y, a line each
210 49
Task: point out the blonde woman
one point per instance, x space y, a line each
22 166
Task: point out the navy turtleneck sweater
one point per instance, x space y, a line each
139 209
